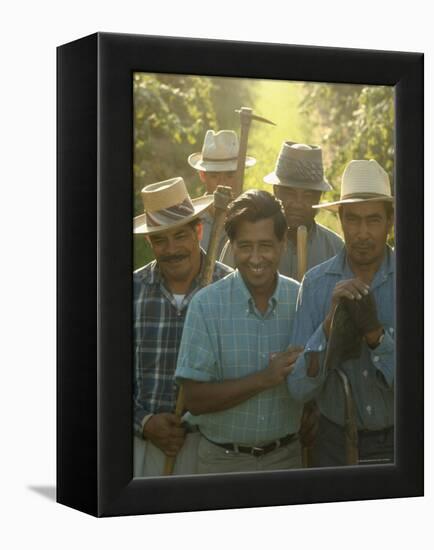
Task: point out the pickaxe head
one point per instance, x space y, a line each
247 114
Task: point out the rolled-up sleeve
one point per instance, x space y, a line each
307 332
196 359
383 357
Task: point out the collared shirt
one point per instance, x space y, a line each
158 323
226 337
372 374
322 244
207 220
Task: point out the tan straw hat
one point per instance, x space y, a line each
219 153
299 165
362 181
167 204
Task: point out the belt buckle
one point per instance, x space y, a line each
257 451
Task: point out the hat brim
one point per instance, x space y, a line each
140 227
195 161
334 206
273 179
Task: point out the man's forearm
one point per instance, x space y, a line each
209 397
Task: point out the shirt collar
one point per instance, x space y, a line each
241 287
340 266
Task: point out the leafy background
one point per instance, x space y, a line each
173 112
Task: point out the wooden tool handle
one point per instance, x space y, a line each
222 198
301 251
169 464
245 119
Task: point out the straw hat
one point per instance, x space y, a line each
299 165
219 153
362 181
167 204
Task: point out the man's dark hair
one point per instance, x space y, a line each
252 206
388 207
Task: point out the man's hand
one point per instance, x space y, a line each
363 313
164 430
280 365
351 289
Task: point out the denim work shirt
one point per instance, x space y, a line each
226 337
158 324
322 244
371 375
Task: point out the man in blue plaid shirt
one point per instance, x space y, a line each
234 357
162 292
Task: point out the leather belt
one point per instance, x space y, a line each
257 451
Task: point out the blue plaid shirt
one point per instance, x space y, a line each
372 374
226 337
158 324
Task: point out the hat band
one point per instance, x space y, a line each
171 215
365 196
306 171
209 159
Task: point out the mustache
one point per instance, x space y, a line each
173 257
363 244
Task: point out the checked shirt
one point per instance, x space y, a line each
226 337
158 324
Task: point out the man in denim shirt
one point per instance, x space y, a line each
298 181
362 277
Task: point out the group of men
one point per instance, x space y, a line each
252 348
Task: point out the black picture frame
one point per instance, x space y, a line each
94 354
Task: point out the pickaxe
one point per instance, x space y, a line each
246 117
222 198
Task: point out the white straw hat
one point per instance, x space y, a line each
167 204
219 153
362 181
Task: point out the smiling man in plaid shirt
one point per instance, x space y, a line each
234 357
162 292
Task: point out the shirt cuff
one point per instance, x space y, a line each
382 356
317 343
144 421
188 373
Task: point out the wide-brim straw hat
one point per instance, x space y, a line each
168 205
219 153
362 181
299 165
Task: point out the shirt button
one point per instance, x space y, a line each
376 359
369 409
391 330
365 373
320 347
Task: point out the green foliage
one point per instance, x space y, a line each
351 122
171 116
